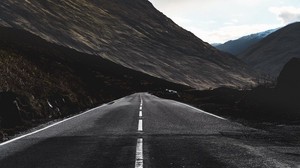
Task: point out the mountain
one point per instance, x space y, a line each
41 81
130 33
239 45
273 52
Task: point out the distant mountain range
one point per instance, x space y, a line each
271 53
129 33
238 46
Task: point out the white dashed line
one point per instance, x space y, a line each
141 113
140 127
139 160
139 154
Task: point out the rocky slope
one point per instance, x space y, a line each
273 52
130 33
238 46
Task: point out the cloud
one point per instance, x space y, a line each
286 14
248 2
220 21
231 22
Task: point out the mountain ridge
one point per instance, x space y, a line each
273 52
133 34
238 46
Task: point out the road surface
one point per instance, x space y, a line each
141 130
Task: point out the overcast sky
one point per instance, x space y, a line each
217 21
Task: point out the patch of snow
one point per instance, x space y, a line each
260 35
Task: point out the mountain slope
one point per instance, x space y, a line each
273 52
240 45
41 81
131 33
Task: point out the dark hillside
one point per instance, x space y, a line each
130 33
42 81
273 52
277 103
289 78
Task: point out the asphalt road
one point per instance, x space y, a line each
142 130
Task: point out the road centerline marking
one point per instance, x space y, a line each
139 160
140 126
139 154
